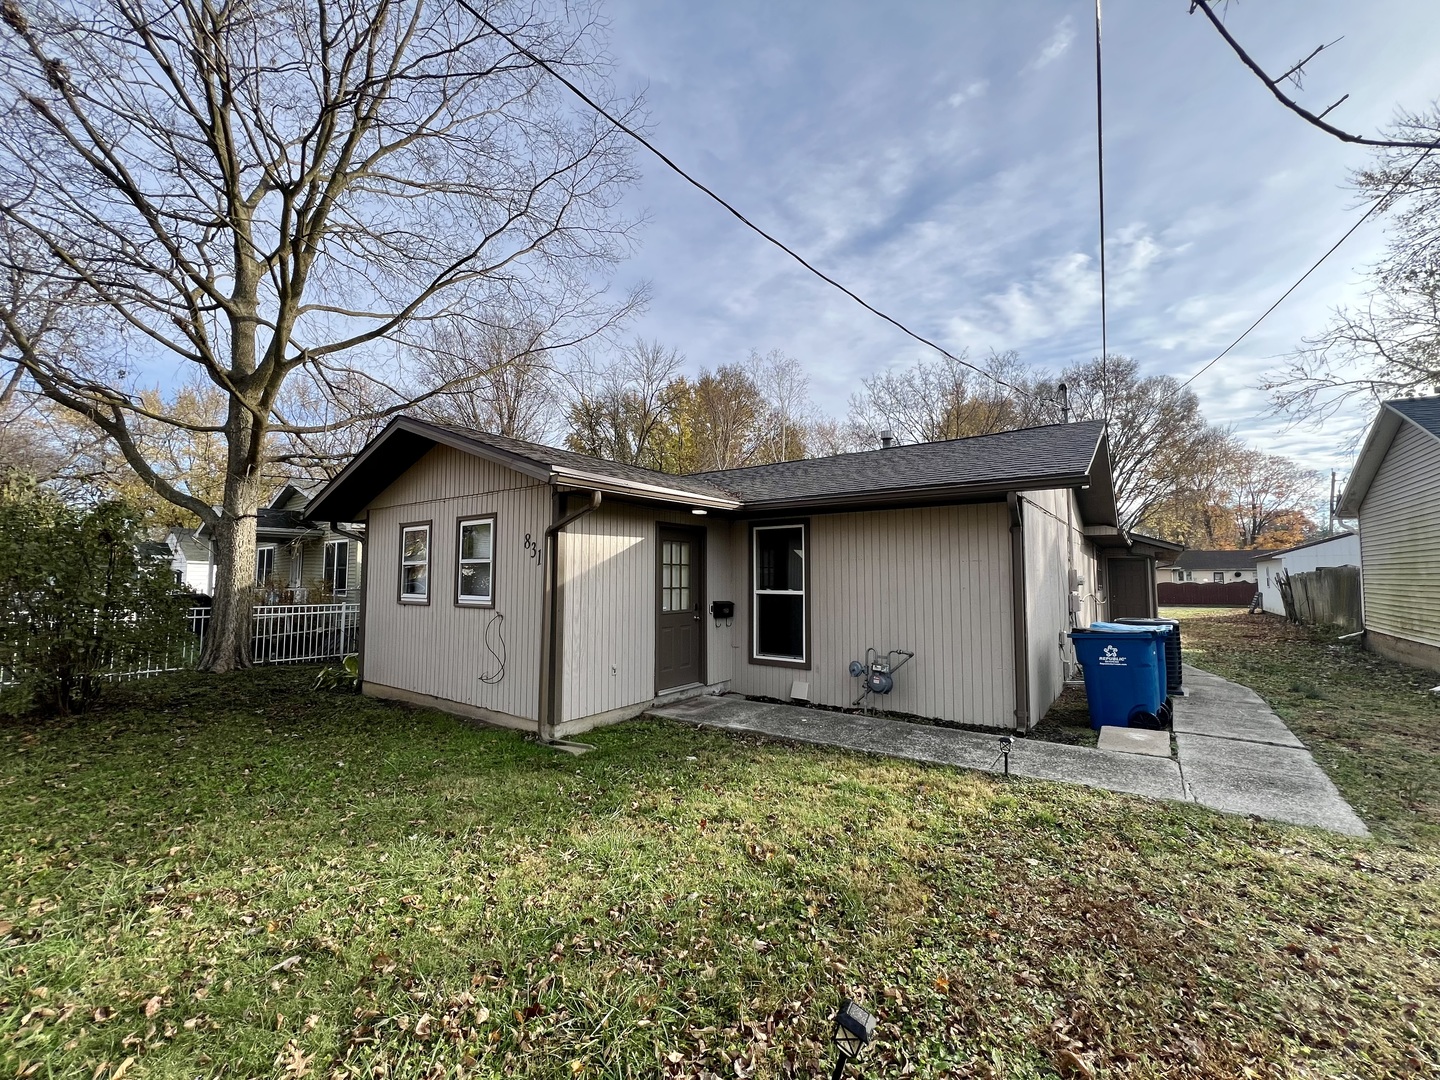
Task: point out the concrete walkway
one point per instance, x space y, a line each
1234 754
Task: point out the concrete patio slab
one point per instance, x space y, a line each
1233 753
1130 773
1129 740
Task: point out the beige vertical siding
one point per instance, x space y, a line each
608 600
1049 557
439 649
935 581
1400 540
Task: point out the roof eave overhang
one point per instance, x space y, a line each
1372 453
928 495
579 480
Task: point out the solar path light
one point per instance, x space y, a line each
853 1028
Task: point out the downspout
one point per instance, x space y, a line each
1019 620
550 619
360 562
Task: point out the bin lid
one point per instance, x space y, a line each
1130 628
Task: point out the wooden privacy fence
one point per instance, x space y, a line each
1206 593
1329 596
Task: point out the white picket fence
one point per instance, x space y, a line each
280 634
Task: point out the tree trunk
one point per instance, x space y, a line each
227 642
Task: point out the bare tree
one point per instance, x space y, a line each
495 378
1158 437
1294 75
1390 346
291 191
624 409
946 398
785 389
1270 490
721 420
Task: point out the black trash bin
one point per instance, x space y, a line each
1174 655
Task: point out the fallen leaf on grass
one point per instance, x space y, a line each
290 963
123 1069
1072 1065
103 1013
152 1006
5 927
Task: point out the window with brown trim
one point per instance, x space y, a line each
415 564
475 562
779 607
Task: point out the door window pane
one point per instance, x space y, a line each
675 576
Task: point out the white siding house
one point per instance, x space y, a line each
1342 549
296 559
1394 493
548 591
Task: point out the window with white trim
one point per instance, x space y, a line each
1179 575
337 566
264 563
475 558
779 602
415 564
1219 576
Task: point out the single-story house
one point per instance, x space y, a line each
549 591
1220 567
1342 549
1394 494
296 558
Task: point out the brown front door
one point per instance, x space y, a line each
679 625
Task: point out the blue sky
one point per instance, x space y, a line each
939 158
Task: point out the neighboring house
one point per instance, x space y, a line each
295 558
1342 549
192 561
1394 493
549 591
1220 567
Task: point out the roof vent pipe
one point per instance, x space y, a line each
887 438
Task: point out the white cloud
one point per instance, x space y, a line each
969 93
1055 45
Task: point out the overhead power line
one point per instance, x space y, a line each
648 145
1100 176
1314 266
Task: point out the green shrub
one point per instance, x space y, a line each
77 601
345 677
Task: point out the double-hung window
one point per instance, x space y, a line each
264 563
337 566
475 563
780 630
415 563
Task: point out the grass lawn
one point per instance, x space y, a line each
239 876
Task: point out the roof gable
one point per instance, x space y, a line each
1420 413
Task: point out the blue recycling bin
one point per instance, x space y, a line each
1163 632
1174 653
1124 675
